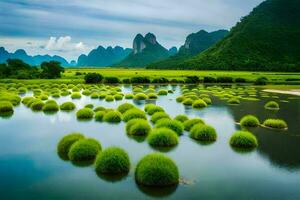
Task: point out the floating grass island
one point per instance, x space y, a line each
112 117
272 105
138 127
85 113
163 137
188 124
156 170
174 125
67 106
249 121
275 124
203 133
243 139
65 144
84 150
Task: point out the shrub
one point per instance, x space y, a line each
152 96
86 92
159 115
275 123
163 92
249 121
261 81
112 160
209 79
140 96
67 106
111 80
224 79
181 118
174 125
76 95
191 122
129 96
138 127
84 150
134 113
85 113
233 101
160 80
124 107
243 139
203 132
93 78
138 79
118 97
192 79
65 144
126 81
37 105
99 115
240 80
95 95
113 117
199 104
109 98
158 170
272 105
187 102
26 100
50 106
6 107
162 137
154 109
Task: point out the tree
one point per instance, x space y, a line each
51 70
93 78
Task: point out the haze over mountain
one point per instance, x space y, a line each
31 60
195 43
145 50
102 57
267 39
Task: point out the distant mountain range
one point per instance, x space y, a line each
102 57
31 60
194 44
268 39
145 51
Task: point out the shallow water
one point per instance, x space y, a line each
31 169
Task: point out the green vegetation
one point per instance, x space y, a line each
67 106
6 107
84 150
156 170
134 113
37 105
188 124
112 117
138 127
249 121
76 95
65 144
99 115
163 92
243 139
181 118
50 106
93 78
234 101
272 105
112 160
174 125
199 104
162 137
159 115
275 123
140 96
124 107
203 132
154 109
85 113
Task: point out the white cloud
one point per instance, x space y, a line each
60 44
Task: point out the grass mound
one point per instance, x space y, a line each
37 105
249 121
243 139
85 113
187 102
67 106
134 113
163 92
204 133
84 150
174 125
65 144
76 95
109 98
154 109
159 115
140 96
181 118
50 106
234 101
112 116
156 170
112 160
129 96
138 127
6 108
275 123
99 115
272 105
199 104
124 107
162 137
188 124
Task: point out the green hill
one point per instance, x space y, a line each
267 39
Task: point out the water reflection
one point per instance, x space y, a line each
158 192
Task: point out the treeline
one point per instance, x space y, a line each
17 69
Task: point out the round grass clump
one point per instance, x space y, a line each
112 160
234 101
37 105
124 107
6 108
187 102
154 109
99 108
85 113
94 95
140 96
188 124
157 170
134 113
67 106
91 106
203 133
112 117
76 95
118 97
163 92
180 99
243 139
84 150
138 127
249 121
129 96
99 115
174 125
109 98
159 115
162 137
50 106
207 100
65 144
152 96
275 123
272 105
181 118
199 104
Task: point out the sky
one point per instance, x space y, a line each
71 27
